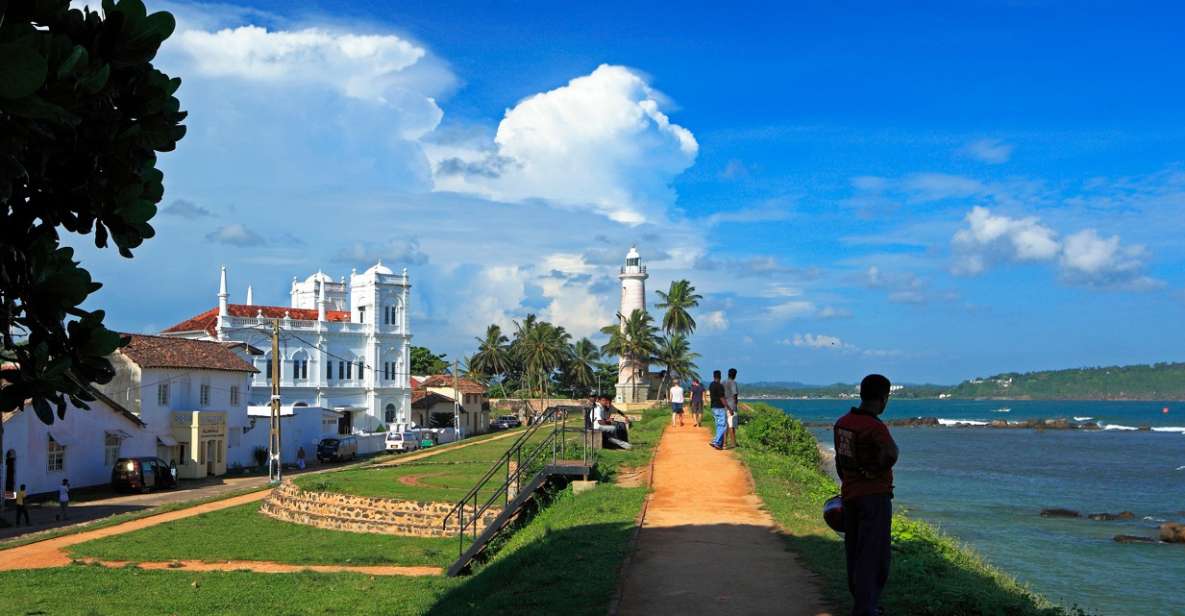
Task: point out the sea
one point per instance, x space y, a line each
987 487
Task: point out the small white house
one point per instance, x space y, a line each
300 426
81 447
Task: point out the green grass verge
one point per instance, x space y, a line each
932 574
242 533
564 561
644 436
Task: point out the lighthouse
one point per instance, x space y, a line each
632 376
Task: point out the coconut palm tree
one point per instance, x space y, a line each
678 301
675 354
635 339
542 348
580 370
493 353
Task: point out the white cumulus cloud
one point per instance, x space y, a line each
715 321
601 142
819 341
990 151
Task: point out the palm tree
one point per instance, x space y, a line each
580 370
542 348
635 340
493 353
678 301
675 353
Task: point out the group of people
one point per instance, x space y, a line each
22 508
724 398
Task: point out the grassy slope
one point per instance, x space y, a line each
242 533
931 572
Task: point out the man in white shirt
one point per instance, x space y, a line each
677 403
63 499
600 416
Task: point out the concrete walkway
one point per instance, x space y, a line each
706 545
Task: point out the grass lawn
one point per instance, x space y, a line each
932 574
242 533
564 561
644 435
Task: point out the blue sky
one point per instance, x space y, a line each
933 193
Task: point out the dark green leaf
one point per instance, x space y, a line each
22 69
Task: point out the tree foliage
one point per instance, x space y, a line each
677 303
635 339
425 362
83 113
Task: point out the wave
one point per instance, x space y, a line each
1181 468
965 422
1180 429
1083 418
1119 427
1003 410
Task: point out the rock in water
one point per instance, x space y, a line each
1109 517
1133 539
1060 513
1172 532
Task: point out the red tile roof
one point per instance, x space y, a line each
445 381
207 320
423 399
170 352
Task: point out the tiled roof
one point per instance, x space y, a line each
207 320
445 381
170 352
422 399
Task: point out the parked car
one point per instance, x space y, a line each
337 449
142 475
505 422
402 441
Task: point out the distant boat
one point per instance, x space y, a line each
1003 410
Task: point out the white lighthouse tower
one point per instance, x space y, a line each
632 376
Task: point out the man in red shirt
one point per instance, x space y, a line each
864 457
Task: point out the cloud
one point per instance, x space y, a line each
235 234
734 170
925 187
990 151
770 211
756 266
714 321
812 341
989 238
184 208
601 142
803 309
396 253
1083 258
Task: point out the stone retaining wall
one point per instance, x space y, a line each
361 514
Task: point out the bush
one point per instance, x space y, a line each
769 429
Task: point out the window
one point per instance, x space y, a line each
162 394
359 369
269 369
329 370
390 414
204 394
341 369
386 370
304 369
218 448
361 314
55 458
386 316
111 445
349 369
234 395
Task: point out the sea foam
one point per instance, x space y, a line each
1180 429
1119 427
1083 418
965 422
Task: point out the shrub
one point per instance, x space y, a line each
769 429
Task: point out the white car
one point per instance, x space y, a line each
402 441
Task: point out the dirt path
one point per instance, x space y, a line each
260 566
706 545
52 552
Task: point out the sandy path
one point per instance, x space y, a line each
706 545
259 566
52 552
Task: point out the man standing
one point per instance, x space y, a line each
21 509
716 397
732 396
697 401
63 499
864 457
677 403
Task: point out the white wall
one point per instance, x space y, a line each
302 427
84 432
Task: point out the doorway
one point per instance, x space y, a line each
345 423
210 469
10 471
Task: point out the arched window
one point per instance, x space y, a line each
390 414
300 365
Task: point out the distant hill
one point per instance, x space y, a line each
1163 381
835 390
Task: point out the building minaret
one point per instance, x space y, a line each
250 296
223 303
632 384
322 298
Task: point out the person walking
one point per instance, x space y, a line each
716 398
63 500
864 457
300 458
677 403
732 396
21 509
697 402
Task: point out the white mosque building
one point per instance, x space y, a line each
344 347
633 377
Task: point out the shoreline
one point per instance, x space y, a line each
1060 423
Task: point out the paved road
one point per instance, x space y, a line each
706 545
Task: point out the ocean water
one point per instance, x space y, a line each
987 487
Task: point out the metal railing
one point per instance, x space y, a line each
526 460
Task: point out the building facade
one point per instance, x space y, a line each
343 346
633 384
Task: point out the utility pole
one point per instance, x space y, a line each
274 465
456 400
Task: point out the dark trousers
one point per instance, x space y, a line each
867 521
22 510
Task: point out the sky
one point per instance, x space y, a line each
934 192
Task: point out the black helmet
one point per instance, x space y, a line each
833 513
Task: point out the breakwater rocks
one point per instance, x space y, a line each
1169 532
